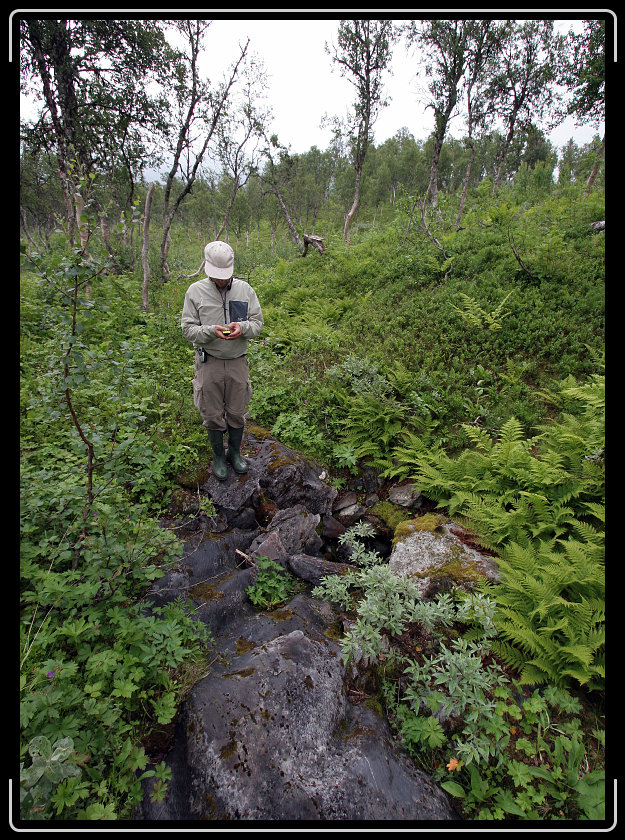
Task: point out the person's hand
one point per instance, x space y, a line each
235 331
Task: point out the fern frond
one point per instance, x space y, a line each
597 510
511 431
478 437
532 674
581 675
587 533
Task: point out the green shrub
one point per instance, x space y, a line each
273 586
97 668
504 753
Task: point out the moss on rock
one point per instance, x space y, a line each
194 477
431 522
392 515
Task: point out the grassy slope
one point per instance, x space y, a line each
384 322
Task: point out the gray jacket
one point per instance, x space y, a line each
204 308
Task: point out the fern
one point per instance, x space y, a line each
511 432
401 378
506 487
474 316
373 427
539 503
550 613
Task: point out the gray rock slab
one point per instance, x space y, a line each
288 479
270 736
296 529
268 733
406 495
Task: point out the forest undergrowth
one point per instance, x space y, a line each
469 361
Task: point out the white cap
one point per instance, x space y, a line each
219 260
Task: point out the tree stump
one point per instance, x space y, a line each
315 241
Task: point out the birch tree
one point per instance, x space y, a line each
274 177
524 88
582 70
443 43
91 81
240 134
198 110
362 53
483 45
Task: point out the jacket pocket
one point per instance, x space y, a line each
238 310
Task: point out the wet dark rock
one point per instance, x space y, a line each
268 733
332 528
314 569
288 479
295 528
345 501
351 515
233 496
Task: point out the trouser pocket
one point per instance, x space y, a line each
197 395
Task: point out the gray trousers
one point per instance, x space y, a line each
222 391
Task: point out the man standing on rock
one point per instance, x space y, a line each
220 315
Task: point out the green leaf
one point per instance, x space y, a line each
519 773
165 707
40 747
479 786
507 803
453 788
124 688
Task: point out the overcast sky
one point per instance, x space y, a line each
305 84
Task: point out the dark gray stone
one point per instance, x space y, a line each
406 495
345 501
332 528
296 530
314 569
289 479
268 734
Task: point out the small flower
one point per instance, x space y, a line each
453 764
50 674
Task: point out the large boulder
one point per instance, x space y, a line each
437 553
275 473
289 479
269 735
290 531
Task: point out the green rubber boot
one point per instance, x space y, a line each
220 468
235 436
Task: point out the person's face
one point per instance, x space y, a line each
221 284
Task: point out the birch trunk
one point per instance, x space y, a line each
595 169
145 247
289 221
465 188
504 151
354 208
